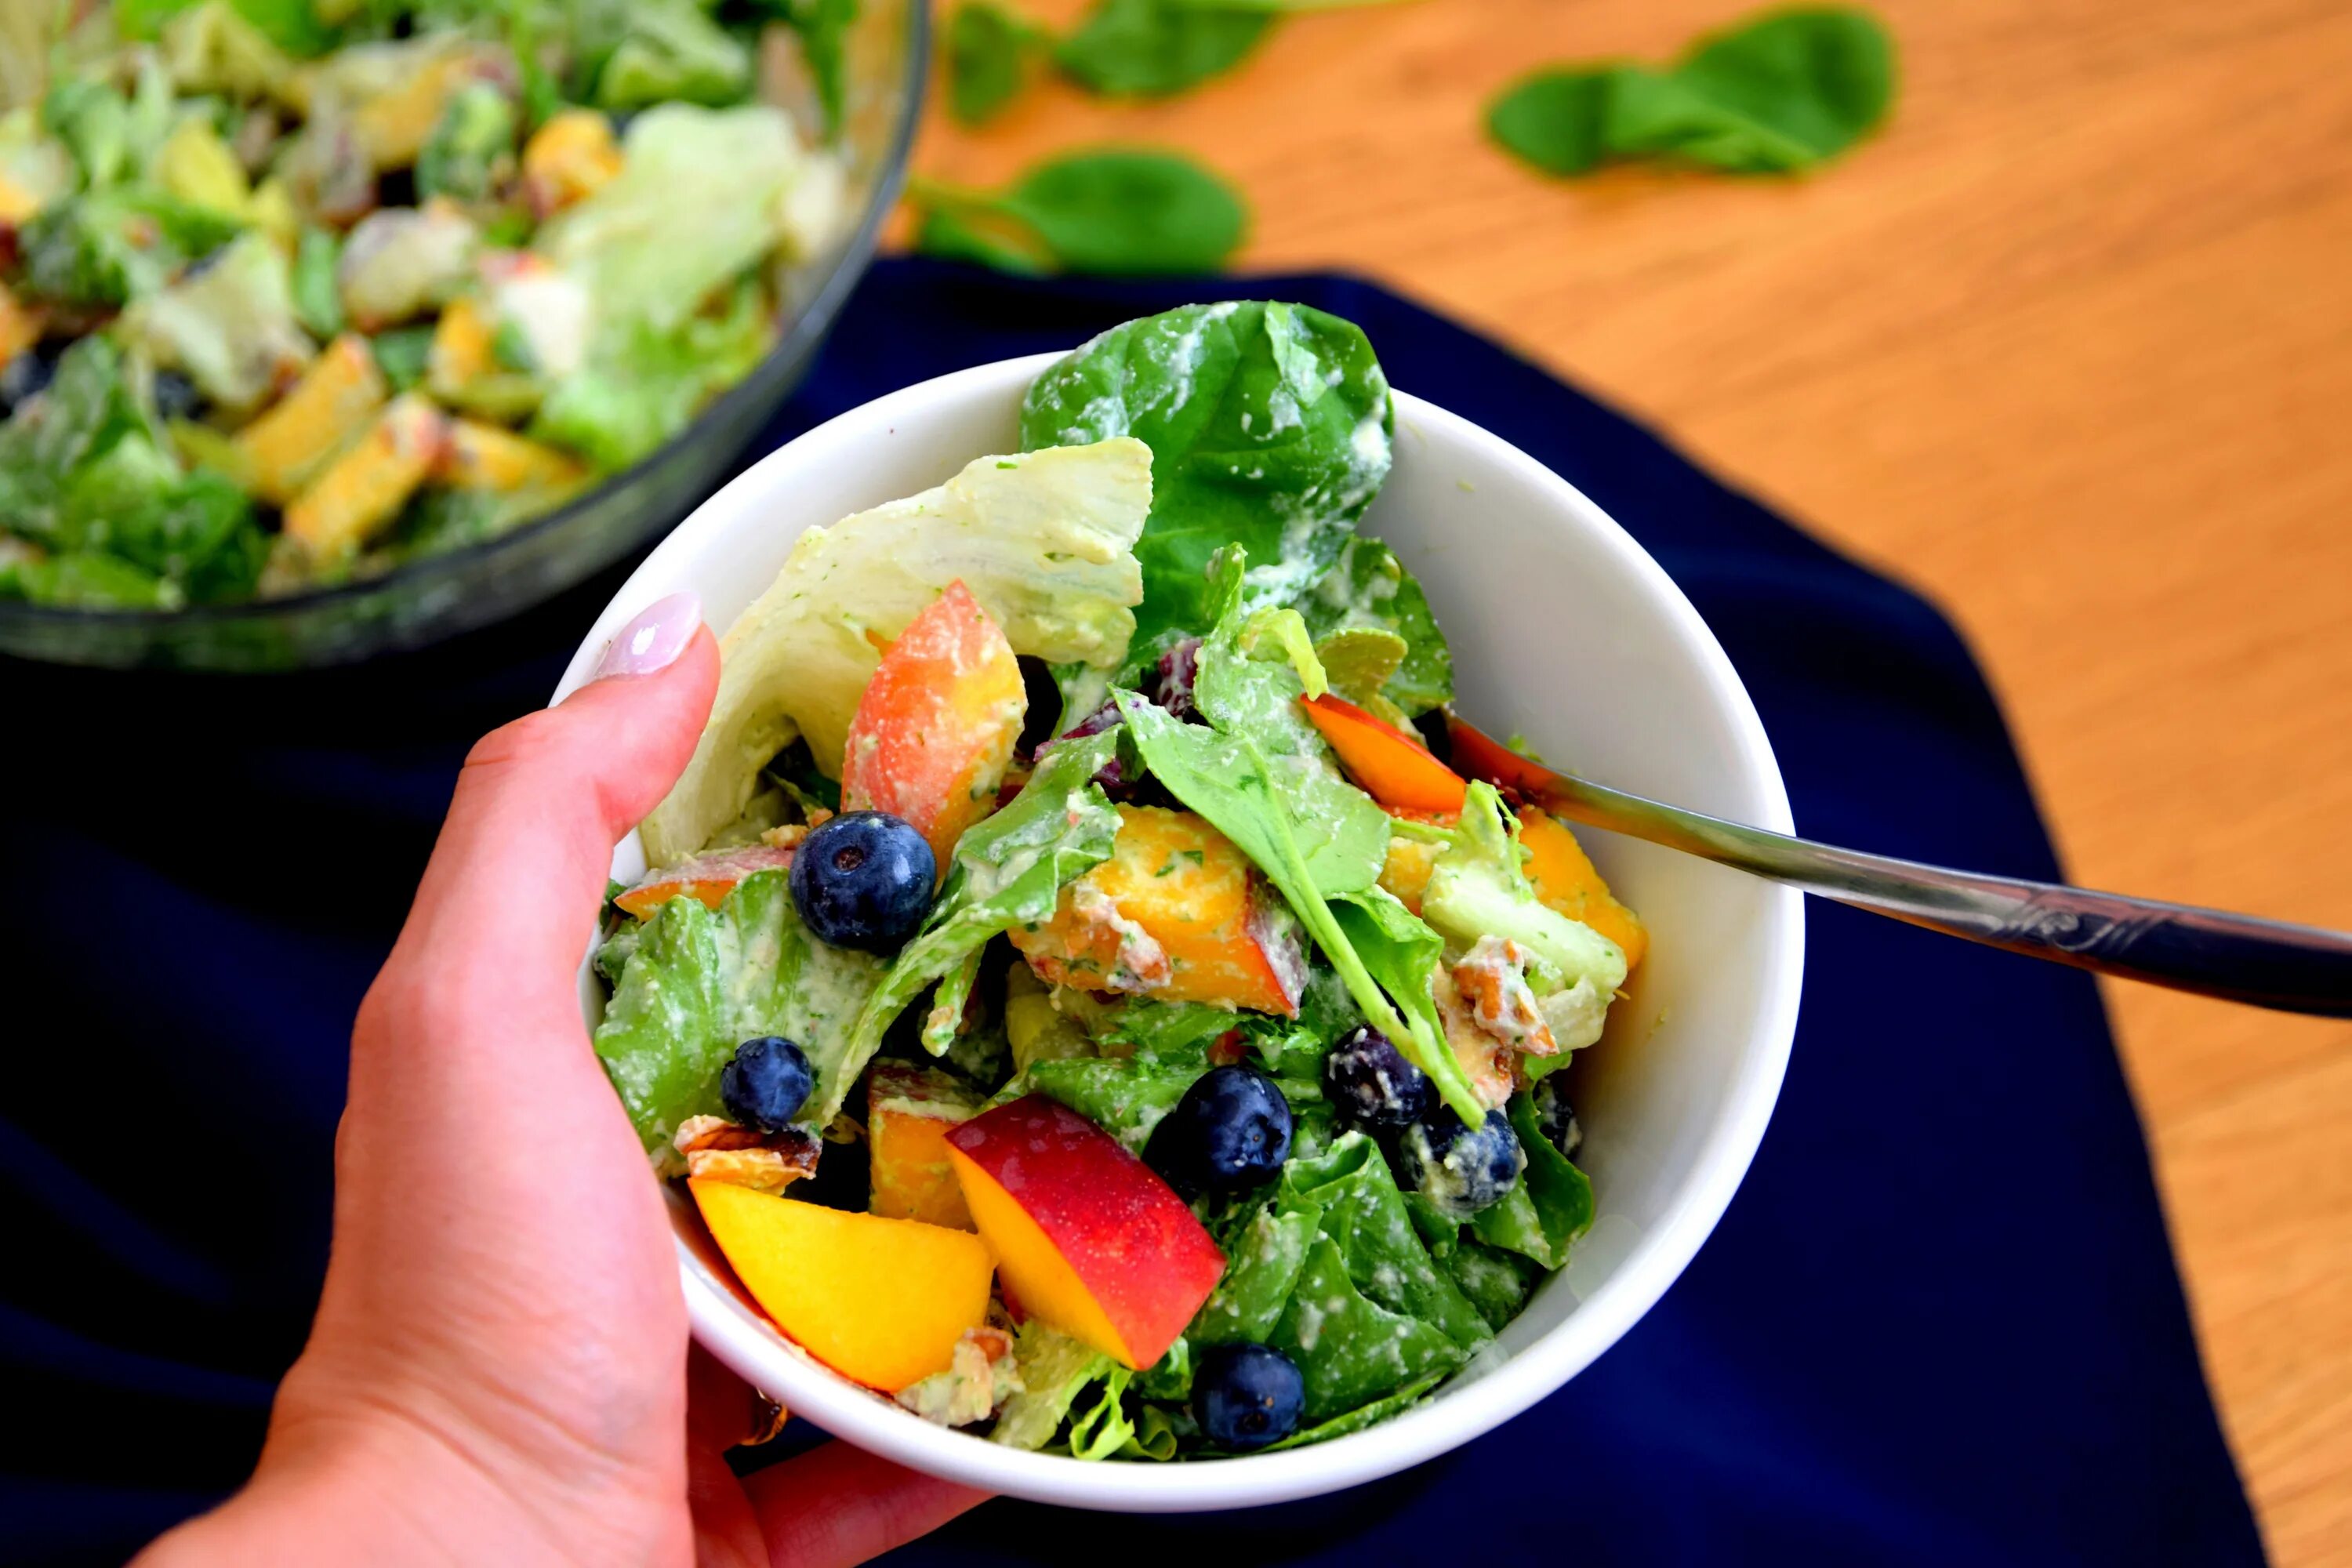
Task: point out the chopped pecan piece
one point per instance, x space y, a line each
717 1150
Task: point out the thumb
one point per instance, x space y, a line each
511 893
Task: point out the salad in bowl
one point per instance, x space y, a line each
1083 1009
294 296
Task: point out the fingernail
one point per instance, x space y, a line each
655 639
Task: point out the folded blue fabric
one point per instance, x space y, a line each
1939 1323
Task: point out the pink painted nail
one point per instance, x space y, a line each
654 638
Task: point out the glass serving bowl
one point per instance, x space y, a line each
888 54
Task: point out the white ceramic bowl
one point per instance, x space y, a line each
1562 630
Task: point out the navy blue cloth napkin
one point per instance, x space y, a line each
1939 1323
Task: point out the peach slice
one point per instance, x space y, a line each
881 1301
1089 1237
1177 914
1394 767
935 729
1564 879
709 878
909 1112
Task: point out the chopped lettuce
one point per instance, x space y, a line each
1478 887
105 247
1550 1207
1055 1369
645 386
1042 540
700 202
85 580
1269 427
1008 871
1348 1349
1252 686
663 51
702 981
113 135
230 326
473 146
1228 780
1368 589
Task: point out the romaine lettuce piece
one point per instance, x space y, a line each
699 201
702 981
105 247
113 135
230 327
1053 1369
1348 1349
1269 427
1478 889
1042 540
1008 871
671 50
472 148
643 388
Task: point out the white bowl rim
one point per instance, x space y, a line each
1665 1248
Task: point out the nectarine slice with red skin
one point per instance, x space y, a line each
1086 1236
936 725
881 1301
1177 914
1393 767
709 878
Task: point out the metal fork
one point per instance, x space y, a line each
2269 963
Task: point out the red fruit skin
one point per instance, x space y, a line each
1132 1242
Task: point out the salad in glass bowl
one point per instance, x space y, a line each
293 295
1081 1006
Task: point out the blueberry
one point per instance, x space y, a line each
1230 1132
176 397
1556 1117
1460 1169
1246 1396
766 1083
864 879
1372 1085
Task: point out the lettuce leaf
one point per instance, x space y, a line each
1008 871
1269 427
1349 1350
701 981
1478 887
1364 1215
1055 1369
1368 588
1042 540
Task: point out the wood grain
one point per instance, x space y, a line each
2070 348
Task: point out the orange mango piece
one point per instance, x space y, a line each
709 878
1089 1237
881 1301
909 1112
1177 914
1393 768
1566 880
935 730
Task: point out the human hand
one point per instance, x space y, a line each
500 1370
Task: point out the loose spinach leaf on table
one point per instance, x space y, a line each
1153 48
991 50
1777 95
1114 211
1269 427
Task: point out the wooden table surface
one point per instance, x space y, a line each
2069 347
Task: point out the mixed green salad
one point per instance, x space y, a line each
1082 1004
293 291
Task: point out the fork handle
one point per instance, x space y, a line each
2269 964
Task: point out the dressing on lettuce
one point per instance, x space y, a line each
1042 540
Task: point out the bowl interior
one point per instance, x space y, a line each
1563 631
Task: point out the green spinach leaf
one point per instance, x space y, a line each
1363 1416
1262 1268
991 50
1777 95
1153 48
1112 211
1349 1350
1368 588
1364 1215
1269 427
